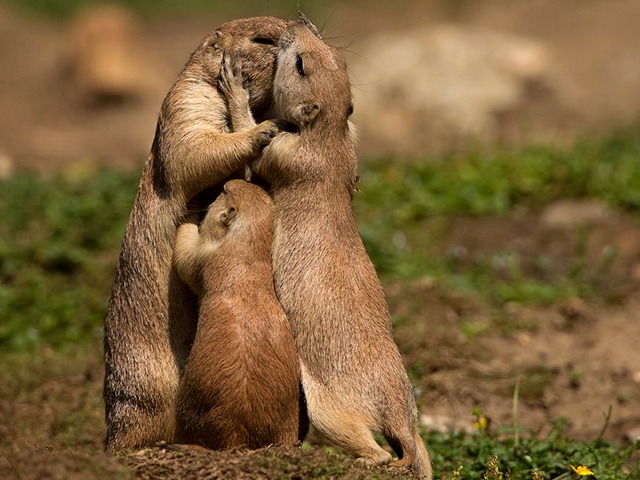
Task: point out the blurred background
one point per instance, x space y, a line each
499 200
83 80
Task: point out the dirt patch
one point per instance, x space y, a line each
51 427
575 359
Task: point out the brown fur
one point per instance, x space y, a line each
152 315
352 373
241 385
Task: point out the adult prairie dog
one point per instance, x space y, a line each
241 385
352 373
152 314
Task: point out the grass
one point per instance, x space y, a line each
405 207
493 456
59 242
60 235
63 9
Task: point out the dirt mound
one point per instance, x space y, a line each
575 359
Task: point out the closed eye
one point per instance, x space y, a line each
300 66
264 41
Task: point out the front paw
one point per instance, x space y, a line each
230 78
265 132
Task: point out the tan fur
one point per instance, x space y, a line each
352 373
152 315
241 385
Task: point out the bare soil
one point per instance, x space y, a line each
575 359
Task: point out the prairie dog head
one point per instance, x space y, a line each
242 206
255 42
311 82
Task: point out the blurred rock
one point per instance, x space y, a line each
575 213
6 165
632 435
443 424
108 59
418 89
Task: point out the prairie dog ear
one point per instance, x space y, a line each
227 217
215 41
305 21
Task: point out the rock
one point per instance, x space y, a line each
443 424
6 165
575 213
632 435
418 87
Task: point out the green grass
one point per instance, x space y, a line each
492 183
494 456
60 235
63 9
59 241
404 210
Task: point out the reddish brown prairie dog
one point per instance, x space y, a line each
152 314
352 373
241 385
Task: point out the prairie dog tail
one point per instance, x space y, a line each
412 452
421 462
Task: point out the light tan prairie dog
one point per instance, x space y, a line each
152 314
241 385
352 373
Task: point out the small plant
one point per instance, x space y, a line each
491 455
405 209
59 242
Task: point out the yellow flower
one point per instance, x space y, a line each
481 424
581 470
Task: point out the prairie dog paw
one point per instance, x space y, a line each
265 132
230 79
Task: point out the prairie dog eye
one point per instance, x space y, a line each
264 41
300 66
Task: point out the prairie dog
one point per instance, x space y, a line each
352 372
241 384
151 317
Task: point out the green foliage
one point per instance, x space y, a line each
494 182
58 248
60 236
487 455
404 209
65 8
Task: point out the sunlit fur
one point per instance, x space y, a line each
241 385
152 314
352 373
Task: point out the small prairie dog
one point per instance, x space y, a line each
152 314
352 372
241 385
